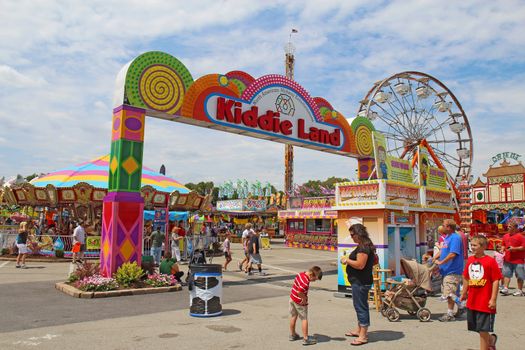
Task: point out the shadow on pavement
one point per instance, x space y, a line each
377 336
321 338
230 312
33 267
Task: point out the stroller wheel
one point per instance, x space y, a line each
383 309
392 314
424 314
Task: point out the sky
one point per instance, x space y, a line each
59 61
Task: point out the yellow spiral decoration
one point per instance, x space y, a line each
161 88
363 140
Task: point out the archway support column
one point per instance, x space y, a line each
123 208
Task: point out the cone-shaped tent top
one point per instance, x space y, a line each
95 173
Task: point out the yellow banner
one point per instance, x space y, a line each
388 167
92 242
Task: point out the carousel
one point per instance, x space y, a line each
78 191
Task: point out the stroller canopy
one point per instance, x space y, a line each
418 273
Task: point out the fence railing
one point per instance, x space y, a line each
47 244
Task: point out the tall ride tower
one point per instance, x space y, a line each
289 62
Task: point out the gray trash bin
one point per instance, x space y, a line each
206 291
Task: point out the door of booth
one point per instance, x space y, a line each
401 244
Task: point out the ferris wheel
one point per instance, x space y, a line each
410 107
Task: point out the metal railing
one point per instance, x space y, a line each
47 244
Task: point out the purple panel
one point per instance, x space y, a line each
129 108
134 197
121 236
116 124
133 124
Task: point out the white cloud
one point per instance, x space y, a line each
59 60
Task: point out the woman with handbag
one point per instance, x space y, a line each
359 265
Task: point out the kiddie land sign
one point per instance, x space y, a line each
276 111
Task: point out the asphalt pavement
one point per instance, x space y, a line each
35 315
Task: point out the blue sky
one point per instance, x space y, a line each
59 60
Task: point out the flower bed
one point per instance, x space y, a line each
129 279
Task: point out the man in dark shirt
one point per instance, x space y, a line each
253 250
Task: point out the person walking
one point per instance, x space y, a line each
21 244
255 256
359 266
480 289
514 259
298 304
79 242
157 238
246 234
175 242
450 262
226 248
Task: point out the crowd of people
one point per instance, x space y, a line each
473 279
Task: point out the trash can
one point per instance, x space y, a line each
206 290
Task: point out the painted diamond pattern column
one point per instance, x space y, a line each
123 206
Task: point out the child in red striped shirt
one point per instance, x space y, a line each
299 303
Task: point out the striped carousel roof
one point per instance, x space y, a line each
95 173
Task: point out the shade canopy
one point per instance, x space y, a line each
95 173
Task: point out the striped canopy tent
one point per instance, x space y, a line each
96 172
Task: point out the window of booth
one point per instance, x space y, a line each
318 225
296 225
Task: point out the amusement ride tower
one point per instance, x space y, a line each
289 62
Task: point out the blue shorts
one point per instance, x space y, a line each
510 269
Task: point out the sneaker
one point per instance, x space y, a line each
262 273
501 287
460 312
446 318
504 291
23 266
518 293
309 341
294 337
17 266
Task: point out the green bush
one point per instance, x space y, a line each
59 253
128 274
5 251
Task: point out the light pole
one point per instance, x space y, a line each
289 62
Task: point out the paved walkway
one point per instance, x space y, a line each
35 315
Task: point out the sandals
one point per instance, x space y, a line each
351 334
494 338
358 342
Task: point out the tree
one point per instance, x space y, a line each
31 177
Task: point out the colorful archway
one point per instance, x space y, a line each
271 107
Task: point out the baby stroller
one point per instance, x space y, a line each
410 296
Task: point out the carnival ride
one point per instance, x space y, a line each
80 190
412 109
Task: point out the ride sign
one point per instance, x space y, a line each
267 115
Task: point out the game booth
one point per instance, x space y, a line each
499 199
310 223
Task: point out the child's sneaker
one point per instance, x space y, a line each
294 337
504 291
446 318
17 266
23 266
309 341
518 293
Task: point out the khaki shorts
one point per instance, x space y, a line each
450 284
298 310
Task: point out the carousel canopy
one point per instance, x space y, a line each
95 173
